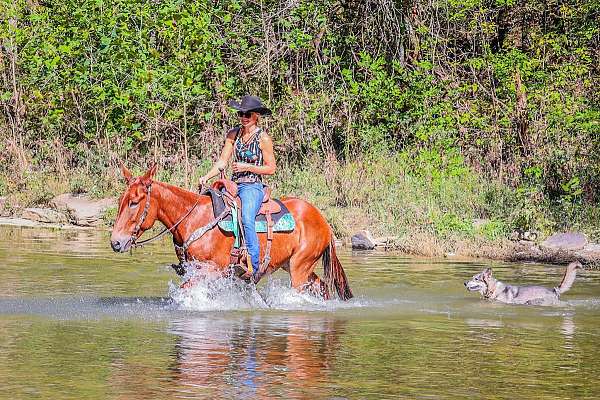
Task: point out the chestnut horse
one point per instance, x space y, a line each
182 212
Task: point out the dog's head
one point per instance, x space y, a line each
482 282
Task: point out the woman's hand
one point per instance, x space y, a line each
242 167
202 182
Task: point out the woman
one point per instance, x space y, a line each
252 151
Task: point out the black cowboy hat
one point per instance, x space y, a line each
250 103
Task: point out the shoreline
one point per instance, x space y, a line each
501 250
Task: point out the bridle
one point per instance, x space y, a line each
138 227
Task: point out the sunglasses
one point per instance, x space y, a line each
246 114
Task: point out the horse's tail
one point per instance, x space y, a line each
334 274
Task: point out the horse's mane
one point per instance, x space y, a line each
179 190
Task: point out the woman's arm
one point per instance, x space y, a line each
221 163
268 167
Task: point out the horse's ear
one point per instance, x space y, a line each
126 173
147 178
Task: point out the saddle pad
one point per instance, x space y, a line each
283 221
285 224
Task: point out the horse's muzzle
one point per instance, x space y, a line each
118 246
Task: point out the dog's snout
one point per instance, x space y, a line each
116 245
465 283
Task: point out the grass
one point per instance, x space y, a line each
431 209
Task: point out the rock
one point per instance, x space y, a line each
81 210
565 241
362 240
12 221
591 252
531 236
519 235
45 215
386 242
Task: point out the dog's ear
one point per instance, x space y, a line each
487 274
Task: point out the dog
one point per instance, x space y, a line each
492 289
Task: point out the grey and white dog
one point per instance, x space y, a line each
492 289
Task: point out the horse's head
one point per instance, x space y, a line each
137 210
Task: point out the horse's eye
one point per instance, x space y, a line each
133 204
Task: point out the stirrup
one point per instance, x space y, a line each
253 277
237 269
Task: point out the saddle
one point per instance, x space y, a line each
223 191
273 216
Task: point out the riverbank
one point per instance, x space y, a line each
80 212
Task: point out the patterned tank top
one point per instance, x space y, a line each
247 152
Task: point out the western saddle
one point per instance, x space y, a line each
239 254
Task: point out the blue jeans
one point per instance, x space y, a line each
251 195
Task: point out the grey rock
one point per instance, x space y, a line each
590 252
82 210
362 240
45 215
565 241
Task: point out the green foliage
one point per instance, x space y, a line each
395 95
448 223
38 190
494 230
109 216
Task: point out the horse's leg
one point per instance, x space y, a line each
301 270
318 286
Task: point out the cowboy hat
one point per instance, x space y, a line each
250 103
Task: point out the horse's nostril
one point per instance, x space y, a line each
116 245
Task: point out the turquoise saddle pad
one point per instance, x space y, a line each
285 224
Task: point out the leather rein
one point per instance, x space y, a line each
136 233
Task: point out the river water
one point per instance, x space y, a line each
78 321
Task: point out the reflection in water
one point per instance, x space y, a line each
78 321
568 328
241 359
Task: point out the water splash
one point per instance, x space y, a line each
229 294
216 294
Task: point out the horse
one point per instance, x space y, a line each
182 212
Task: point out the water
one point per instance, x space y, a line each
78 321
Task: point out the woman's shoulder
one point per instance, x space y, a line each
264 136
264 132
233 132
